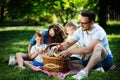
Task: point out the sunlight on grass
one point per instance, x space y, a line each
19 49
113 36
113 22
24 42
35 28
20 46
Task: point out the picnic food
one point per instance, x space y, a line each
55 55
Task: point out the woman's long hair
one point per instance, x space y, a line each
59 32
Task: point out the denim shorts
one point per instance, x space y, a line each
74 58
35 63
106 63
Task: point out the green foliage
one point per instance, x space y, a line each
36 11
21 8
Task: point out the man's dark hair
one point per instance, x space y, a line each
89 14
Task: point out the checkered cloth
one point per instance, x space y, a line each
59 75
113 67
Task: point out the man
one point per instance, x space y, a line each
95 48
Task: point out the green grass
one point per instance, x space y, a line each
16 39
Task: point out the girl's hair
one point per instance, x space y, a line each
39 33
59 32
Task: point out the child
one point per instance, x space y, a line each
71 28
36 53
37 50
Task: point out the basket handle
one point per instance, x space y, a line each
52 44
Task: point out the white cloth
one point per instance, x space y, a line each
34 48
84 38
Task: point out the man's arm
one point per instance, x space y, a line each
83 50
67 44
63 46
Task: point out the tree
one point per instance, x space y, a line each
102 13
18 8
65 9
2 8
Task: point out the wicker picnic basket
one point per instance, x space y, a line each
55 64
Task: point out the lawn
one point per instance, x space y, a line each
16 39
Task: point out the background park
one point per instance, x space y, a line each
20 19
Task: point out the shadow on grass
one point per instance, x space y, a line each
113 29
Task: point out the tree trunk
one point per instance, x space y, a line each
102 13
1 12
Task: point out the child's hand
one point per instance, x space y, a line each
40 51
37 51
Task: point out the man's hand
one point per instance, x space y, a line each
64 54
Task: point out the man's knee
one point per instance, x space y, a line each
99 47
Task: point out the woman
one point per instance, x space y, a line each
55 34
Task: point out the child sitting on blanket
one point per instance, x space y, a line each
71 27
37 50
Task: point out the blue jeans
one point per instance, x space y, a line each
106 63
35 63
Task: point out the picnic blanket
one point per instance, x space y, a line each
59 75
74 67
